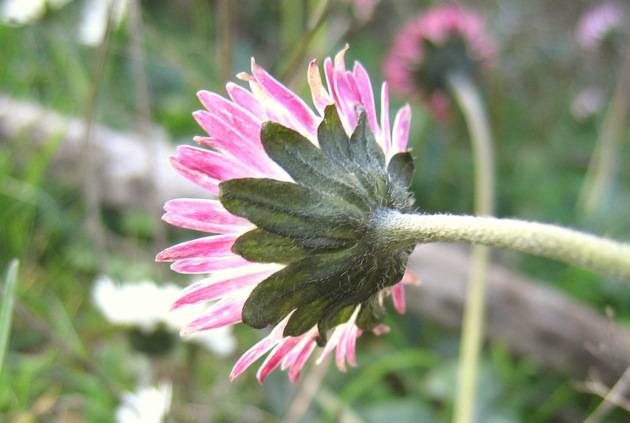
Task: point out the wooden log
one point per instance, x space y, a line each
529 316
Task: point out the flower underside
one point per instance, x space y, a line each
321 227
452 55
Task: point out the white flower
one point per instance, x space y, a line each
147 405
94 20
146 305
22 12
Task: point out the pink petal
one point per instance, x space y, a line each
386 141
203 255
245 99
321 99
253 163
234 116
207 168
351 345
305 338
340 354
275 357
367 97
331 80
204 215
410 278
225 312
293 103
227 139
402 123
209 264
381 330
305 353
333 340
398 295
258 350
201 247
221 284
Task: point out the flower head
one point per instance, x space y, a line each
443 40
599 23
300 195
144 306
147 405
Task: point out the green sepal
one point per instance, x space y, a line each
332 137
305 317
371 314
292 210
368 158
350 154
298 284
261 246
309 165
332 319
401 168
364 148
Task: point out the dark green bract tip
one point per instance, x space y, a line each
321 227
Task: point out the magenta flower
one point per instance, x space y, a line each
442 40
299 190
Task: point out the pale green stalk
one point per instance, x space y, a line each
599 175
465 93
6 310
611 399
540 239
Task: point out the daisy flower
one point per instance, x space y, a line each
144 306
442 40
293 239
147 405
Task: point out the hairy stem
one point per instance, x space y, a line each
555 242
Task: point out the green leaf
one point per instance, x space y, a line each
6 312
401 169
292 210
264 247
310 166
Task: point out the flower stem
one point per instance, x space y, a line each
555 242
471 104
597 183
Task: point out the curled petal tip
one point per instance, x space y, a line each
244 76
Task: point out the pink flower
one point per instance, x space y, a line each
267 140
442 40
600 22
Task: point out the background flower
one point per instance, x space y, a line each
442 40
599 23
147 405
145 306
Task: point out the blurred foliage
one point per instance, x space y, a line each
65 363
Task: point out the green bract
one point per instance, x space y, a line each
321 227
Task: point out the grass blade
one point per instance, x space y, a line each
6 311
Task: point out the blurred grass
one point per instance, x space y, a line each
542 150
